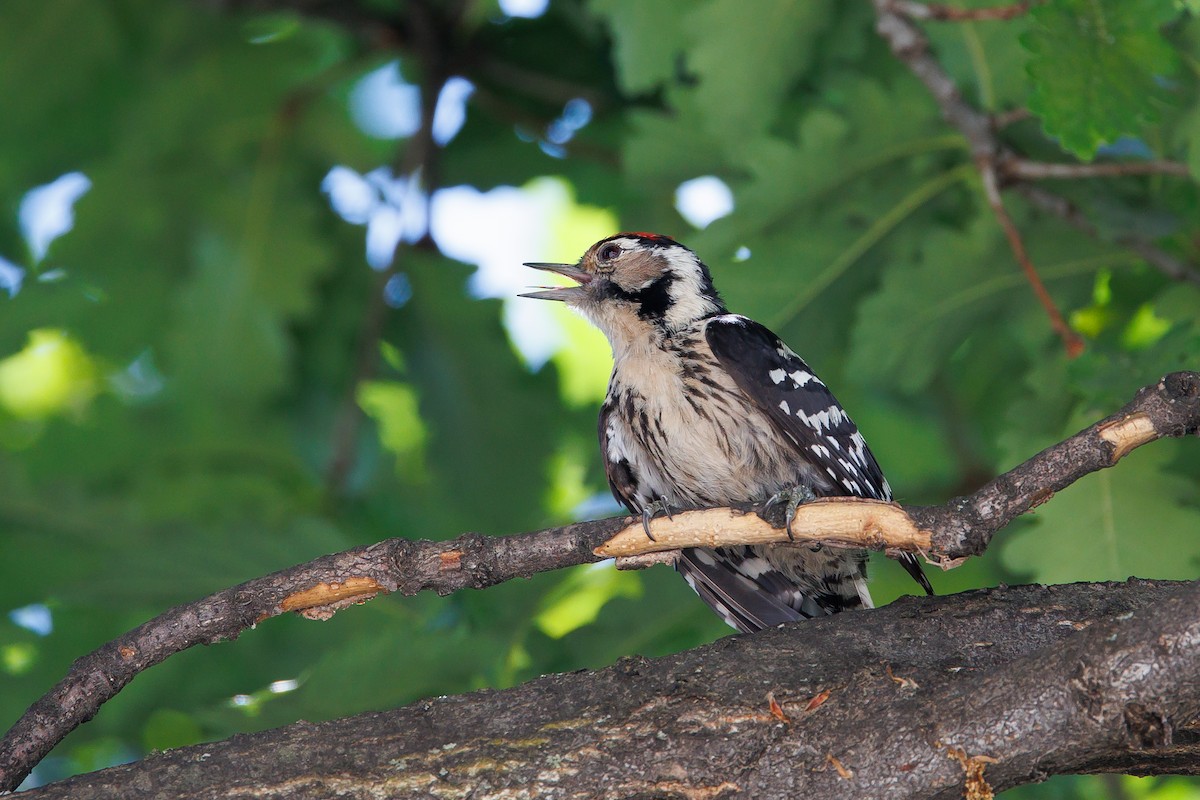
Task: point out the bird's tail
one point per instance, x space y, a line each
750 592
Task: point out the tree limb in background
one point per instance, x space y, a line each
1166 263
960 528
944 13
991 190
997 163
985 690
418 161
1022 169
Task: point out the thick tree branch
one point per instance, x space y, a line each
1002 687
316 589
319 588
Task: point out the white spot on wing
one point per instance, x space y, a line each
826 418
801 377
783 404
777 375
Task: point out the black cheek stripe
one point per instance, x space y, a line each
652 302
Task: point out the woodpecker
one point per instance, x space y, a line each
709 408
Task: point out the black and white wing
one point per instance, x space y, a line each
804 411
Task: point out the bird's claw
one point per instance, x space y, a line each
659 506
795 497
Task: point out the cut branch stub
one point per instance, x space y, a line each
1128 433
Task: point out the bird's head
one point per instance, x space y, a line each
633 280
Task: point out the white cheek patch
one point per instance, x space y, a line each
688 301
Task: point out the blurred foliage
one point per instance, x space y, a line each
200 383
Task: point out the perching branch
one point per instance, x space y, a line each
318 589
922 699
964 527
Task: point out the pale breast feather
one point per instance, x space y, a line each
798 403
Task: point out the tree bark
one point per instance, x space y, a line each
989 689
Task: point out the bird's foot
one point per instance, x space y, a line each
652 510
795 497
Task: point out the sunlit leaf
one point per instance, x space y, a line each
395 408
578 599
52 374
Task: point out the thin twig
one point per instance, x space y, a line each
996 161
944 13
1164 262
1021 169
1071 340
419 156
1003 119
911 47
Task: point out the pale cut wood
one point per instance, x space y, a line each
854 522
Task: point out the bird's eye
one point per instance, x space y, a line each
609 252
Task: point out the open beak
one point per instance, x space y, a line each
564 293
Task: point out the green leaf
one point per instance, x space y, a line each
169 728
1137 518
1098 68
393 405
647 40
741 78
578 599
932 301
